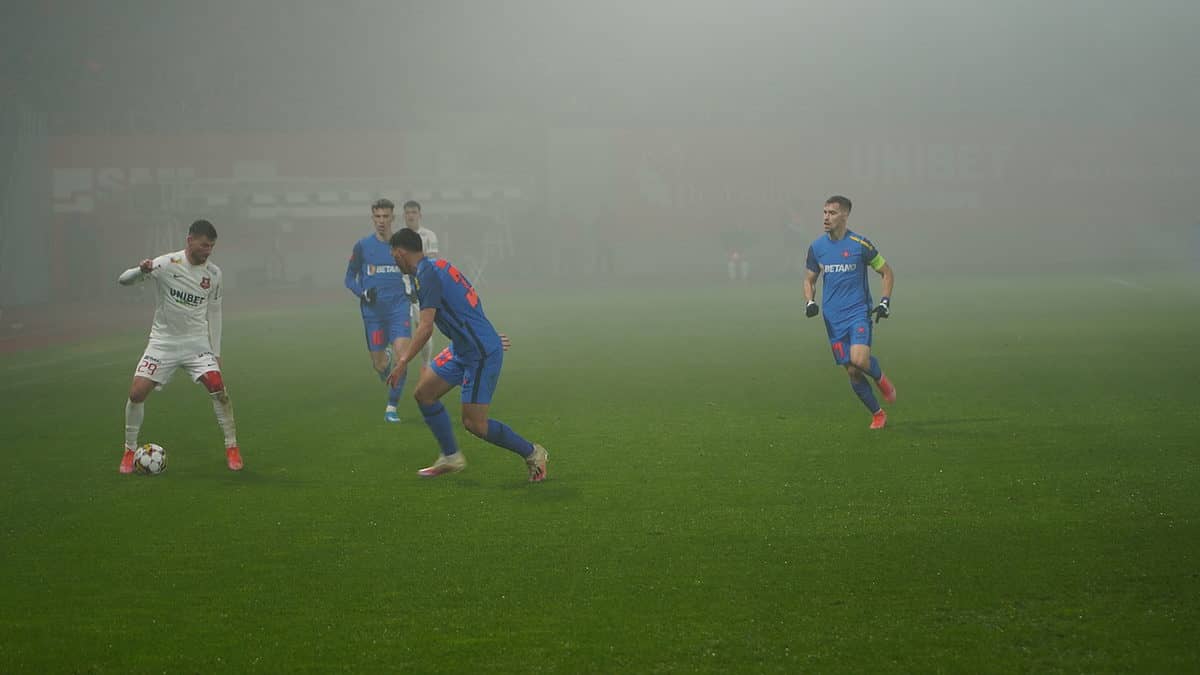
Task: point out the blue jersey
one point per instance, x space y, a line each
372 266
846 291
460 314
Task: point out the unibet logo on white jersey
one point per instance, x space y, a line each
186 296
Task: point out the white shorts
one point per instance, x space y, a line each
159 363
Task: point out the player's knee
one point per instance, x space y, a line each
476 427
423 396
140 390
212 382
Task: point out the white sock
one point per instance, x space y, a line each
134 414
223 407
390 408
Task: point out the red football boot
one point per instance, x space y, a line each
233 457
887 389
127 461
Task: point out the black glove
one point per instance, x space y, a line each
811 309
883 310
369 295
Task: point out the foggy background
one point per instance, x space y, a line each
619 142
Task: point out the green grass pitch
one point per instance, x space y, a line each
715 503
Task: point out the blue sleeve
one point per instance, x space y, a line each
871 255
811 263
429 288
354 271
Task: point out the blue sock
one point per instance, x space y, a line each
502 435
864 391
439 423
394 392
383 374
875 372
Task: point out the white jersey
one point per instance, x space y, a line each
429 246
429 242
187 310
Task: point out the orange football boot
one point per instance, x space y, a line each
233 457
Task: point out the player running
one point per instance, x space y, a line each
373 277
843 256
186 333
473 359
429 245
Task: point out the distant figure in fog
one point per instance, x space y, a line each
373 277
429 244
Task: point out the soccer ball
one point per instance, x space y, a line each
150 459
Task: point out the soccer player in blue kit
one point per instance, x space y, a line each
843 256
473 360
374 278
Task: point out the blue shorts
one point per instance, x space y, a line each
844 332
385 324
478 376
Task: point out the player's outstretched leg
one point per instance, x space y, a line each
498 433
382 363
885 385
399 346
862 363
390 413
135 412
862 388
450 460
428 393
223 408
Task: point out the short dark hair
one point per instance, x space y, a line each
412 204
383 204
407 240
840 201
203 228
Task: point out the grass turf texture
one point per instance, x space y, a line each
715 502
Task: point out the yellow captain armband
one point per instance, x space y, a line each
877 262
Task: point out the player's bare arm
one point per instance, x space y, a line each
889 279
810 293
135 274
810 285
420 337
884 309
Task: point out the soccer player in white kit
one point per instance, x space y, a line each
429 245
186 333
